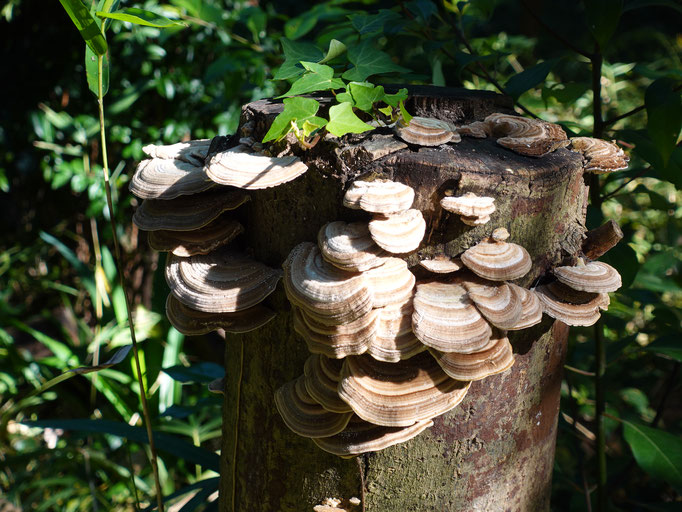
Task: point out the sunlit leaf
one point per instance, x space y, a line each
294 53
336 48
365 95
295 109
318 78
200 372
342 120
92 72
86 25
138 16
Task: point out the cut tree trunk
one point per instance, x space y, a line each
494 452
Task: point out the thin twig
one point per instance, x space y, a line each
629 113
600 353
578 370
120 269
624 184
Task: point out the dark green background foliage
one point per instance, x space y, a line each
606 68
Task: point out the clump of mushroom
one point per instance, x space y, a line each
472 209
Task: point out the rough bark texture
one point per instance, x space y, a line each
494 451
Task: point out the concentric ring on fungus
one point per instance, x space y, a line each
219 282
398 394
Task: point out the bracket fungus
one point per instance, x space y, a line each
322 376
186 213
167 179
193 322
472 209
398 394
426 131
390 282
304 415
349 246
496 358
530 137
444 318
496 259
399 233
192 151
379 196
203 240
222 281
595 276
239 167
442 264
394 339
571 306
600 156
331 295
495 300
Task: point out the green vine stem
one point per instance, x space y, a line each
119 267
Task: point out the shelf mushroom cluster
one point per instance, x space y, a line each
186 210
389 354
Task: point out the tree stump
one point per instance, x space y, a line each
495 450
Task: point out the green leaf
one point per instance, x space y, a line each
422 8
92 72
200 372
138 16
529 78
664 115
395 99
624 259
365 95
667 345
657 452
294 53
366 23
336 48
295 109
312 125
655 273
602 18
369 61
342 120
86 25
638 4
404 113
86 275
318 78
164 442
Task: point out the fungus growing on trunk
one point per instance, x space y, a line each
203 240
399 233
349 246
426 131
601 156
379 196
472 209
496 259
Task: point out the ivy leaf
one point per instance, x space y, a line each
529 78
365 95
336 48
657 452
319 78
294 53
422 8
313 124
366 23
369 61
141 17
342 120
664 116
395 99
298 110
404 113
345 97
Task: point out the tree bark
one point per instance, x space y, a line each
495 450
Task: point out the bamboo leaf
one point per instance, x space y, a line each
86 25
138 16
92 72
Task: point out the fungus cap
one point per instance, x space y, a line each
497 260
239 167
530 137
322 376
595 276
398 233
476 129
494 300
570 306
186 213
390 282
332 295
444 318
379 196
394 339
442 264
426 131
349 246
219 282
497 358
531 308
398 394
203 240
167 179
469 205
193 322
361 437
601 156
303 415
192 151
